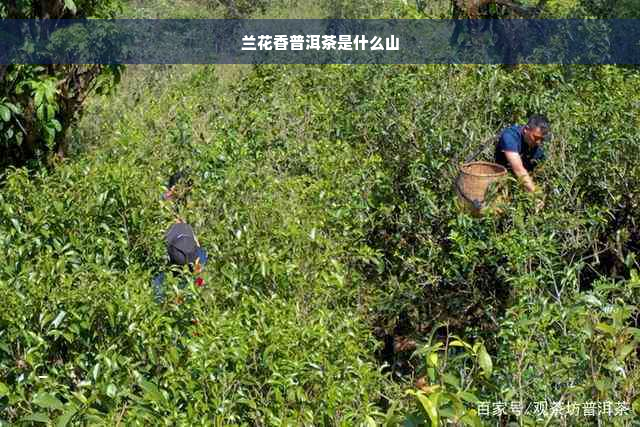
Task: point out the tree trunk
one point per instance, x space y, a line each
472 9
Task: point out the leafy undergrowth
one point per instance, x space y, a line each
553 294
341 272
273 336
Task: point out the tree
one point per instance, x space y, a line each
38 104
239 9
488 13
609 9
475 9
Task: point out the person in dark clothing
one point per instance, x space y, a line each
178 186
183 246
183 249
520 150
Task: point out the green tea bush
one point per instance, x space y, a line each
38 104
270 338
425 262
344 286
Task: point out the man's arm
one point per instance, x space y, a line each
521 172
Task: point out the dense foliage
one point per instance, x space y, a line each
345 286
570 270
38 104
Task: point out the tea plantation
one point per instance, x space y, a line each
344 284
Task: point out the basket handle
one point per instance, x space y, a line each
483 147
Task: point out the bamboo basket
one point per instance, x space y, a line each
473 181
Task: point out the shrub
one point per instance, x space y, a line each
38 104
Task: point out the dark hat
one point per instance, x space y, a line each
181 244
181 175
175 178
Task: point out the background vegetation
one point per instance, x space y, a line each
344 285
38 104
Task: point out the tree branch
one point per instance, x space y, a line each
472 7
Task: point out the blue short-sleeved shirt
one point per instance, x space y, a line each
511 139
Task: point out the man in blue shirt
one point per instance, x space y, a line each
520 148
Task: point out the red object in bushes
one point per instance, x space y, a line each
199 282
168 195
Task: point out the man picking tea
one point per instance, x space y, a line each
519 148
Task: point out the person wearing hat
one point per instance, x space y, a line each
183 249
519 148
173 190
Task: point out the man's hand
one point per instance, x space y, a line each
521 172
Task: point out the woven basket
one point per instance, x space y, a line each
473 181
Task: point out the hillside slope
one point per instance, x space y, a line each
323 197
